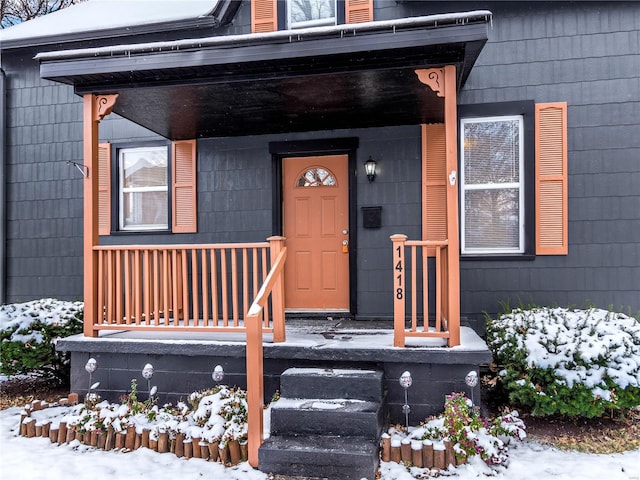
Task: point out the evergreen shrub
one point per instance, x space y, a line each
28 335
579 363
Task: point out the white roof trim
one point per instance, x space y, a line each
286 35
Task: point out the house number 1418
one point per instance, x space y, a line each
398 267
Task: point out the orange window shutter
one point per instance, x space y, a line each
551 179
104 189
264 16
434 184
183 187
358 11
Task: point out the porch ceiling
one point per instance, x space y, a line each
314 79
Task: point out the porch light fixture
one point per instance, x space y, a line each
370 169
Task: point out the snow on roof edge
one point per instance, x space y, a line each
343 29
95 16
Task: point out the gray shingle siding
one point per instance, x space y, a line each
44 196
587 54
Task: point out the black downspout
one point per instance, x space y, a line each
3 203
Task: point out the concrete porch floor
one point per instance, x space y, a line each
183 361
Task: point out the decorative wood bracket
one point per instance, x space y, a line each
103 105
433 78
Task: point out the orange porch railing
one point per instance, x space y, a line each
185 287
255 358
412 314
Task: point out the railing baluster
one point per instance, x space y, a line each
205 288
234 286
119 293
110 293
255 269
414 290
136 286
184 284
156 278
146 287
166 285
223 284
127 287
174 287
101 287
245 283
438 289
425 289
194 288
214 288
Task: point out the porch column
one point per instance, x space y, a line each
443 82
453 251
96 107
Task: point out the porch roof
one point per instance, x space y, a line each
345 76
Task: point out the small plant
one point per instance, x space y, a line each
471 435
570 362
131 400
28 335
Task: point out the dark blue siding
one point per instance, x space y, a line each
587 55
43 195
584 53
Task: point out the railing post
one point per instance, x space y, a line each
399 289
275 244
255 386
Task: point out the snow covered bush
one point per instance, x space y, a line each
569 362
29 332
471 434
222 413
215 415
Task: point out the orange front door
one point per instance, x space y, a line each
316 227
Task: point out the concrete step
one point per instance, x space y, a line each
327 417
332 383
322 456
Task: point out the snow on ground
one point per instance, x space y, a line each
38 458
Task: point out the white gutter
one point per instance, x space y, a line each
432 21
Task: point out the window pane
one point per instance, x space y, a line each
309 12
492 152
144 167
144 197
316 177
492 219
143 210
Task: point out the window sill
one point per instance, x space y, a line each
117 233
495 257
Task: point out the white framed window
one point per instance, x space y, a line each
311 13
143 188
492 185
